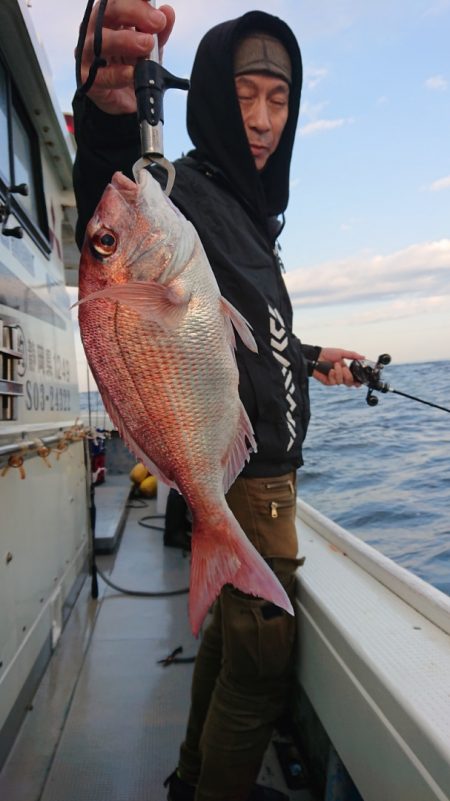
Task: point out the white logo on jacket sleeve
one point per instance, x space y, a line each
279 343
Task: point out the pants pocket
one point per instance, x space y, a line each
266 508
258 638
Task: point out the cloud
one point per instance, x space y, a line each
417 272
401 309
313 110
437 83
440 7
441 183
318 126
313 76
377 313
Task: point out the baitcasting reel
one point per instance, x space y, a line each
368 373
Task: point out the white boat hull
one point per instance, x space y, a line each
374 663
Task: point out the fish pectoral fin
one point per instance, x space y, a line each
240 324
165 305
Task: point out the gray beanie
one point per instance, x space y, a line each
261 52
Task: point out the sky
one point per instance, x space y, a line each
366 246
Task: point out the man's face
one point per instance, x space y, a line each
264 102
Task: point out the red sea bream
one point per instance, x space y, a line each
159 338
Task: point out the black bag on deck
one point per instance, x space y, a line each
177 527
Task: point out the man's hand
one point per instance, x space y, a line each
340 372
128 29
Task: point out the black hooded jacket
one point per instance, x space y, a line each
234 209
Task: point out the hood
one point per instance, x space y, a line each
214 119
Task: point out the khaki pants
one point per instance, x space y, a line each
244 666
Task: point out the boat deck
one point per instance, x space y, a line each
108 717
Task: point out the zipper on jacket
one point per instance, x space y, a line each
275 505
281 484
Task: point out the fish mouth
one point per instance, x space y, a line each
125 187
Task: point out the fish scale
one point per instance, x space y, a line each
159 339
165 367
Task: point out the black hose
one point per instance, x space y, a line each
141 593
96 570
151 517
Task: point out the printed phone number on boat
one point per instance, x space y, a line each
46 397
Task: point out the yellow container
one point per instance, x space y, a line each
148 486
139 473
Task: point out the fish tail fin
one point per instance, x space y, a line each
222 554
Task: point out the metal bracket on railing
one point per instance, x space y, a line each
10 356
6 211
62 438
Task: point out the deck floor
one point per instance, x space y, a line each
107 719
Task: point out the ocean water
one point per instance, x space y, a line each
92 411
383 472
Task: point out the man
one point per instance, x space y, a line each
241 117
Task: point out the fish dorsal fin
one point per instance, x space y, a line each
240 324
165 305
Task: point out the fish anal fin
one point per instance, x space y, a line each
222 554
239 453
240 324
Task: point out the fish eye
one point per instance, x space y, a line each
104 243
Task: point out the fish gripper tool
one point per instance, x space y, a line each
151 80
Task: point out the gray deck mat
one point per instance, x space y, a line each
128 713
107 720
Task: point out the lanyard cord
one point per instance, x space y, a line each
98 61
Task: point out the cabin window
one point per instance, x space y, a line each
23 166
20 163
4 155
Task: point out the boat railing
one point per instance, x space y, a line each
428 600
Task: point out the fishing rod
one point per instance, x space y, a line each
151 80
368 373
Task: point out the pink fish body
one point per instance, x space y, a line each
159 339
